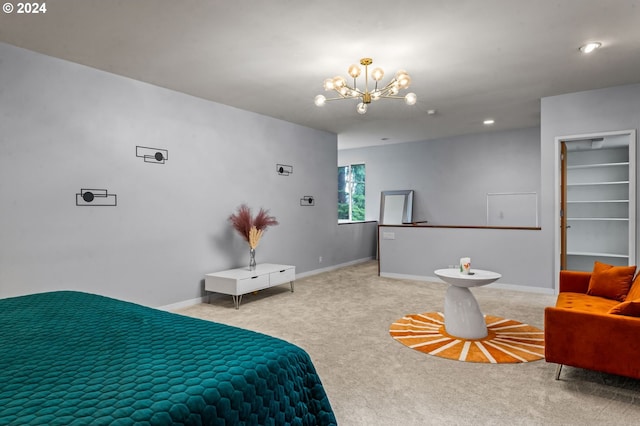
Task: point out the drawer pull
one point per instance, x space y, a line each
283 270
253 278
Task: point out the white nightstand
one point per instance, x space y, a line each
237 282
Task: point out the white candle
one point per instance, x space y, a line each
465 265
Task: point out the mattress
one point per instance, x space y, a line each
75 358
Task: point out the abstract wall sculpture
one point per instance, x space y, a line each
96 197
284 170
307 200
152 155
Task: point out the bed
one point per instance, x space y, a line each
75 358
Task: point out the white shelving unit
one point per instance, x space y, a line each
599 207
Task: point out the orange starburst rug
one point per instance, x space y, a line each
508 341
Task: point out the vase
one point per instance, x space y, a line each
252 259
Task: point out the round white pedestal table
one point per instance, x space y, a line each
462 315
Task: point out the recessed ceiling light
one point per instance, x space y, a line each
488 121
590 47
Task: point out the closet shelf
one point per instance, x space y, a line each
595 254
621 182
591 166
597 201
616 219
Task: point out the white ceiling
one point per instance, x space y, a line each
469 60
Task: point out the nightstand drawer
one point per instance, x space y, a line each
282 276
256 282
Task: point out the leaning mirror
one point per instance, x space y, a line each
396 207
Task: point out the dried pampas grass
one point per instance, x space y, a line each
251 229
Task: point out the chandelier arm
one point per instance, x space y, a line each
341 97
389 84
350 90
392 97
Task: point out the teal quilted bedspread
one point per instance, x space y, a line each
71 358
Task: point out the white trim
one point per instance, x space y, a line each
499 286
184 304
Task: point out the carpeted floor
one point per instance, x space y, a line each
341 318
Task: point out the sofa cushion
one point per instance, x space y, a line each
629 308
611 282
634 291
585 303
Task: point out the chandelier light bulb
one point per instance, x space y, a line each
354 71
411 98
344 90
320 100
375 95
361 108
339 82
328 84
399 73
377 74
404 80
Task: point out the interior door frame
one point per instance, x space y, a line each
632 191
563 204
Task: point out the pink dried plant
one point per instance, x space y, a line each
242 221
262 220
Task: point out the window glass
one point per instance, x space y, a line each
351 193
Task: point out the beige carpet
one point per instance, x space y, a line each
507 341
341 318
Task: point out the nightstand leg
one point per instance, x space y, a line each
291 282
237 300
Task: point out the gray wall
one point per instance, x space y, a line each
66 127
451 176
416 252
594 111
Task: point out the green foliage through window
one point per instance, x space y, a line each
351 183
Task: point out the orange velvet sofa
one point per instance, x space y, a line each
587 330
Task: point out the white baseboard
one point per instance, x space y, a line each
184 304
205 299
501 286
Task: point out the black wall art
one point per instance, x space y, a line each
96 197
308 200
284 170
152 155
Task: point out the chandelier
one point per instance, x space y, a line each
365 95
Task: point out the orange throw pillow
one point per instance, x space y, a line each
610 282
629 308
634 291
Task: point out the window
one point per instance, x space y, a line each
351 193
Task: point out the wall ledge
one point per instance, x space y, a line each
499 286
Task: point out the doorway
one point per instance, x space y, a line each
596 196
